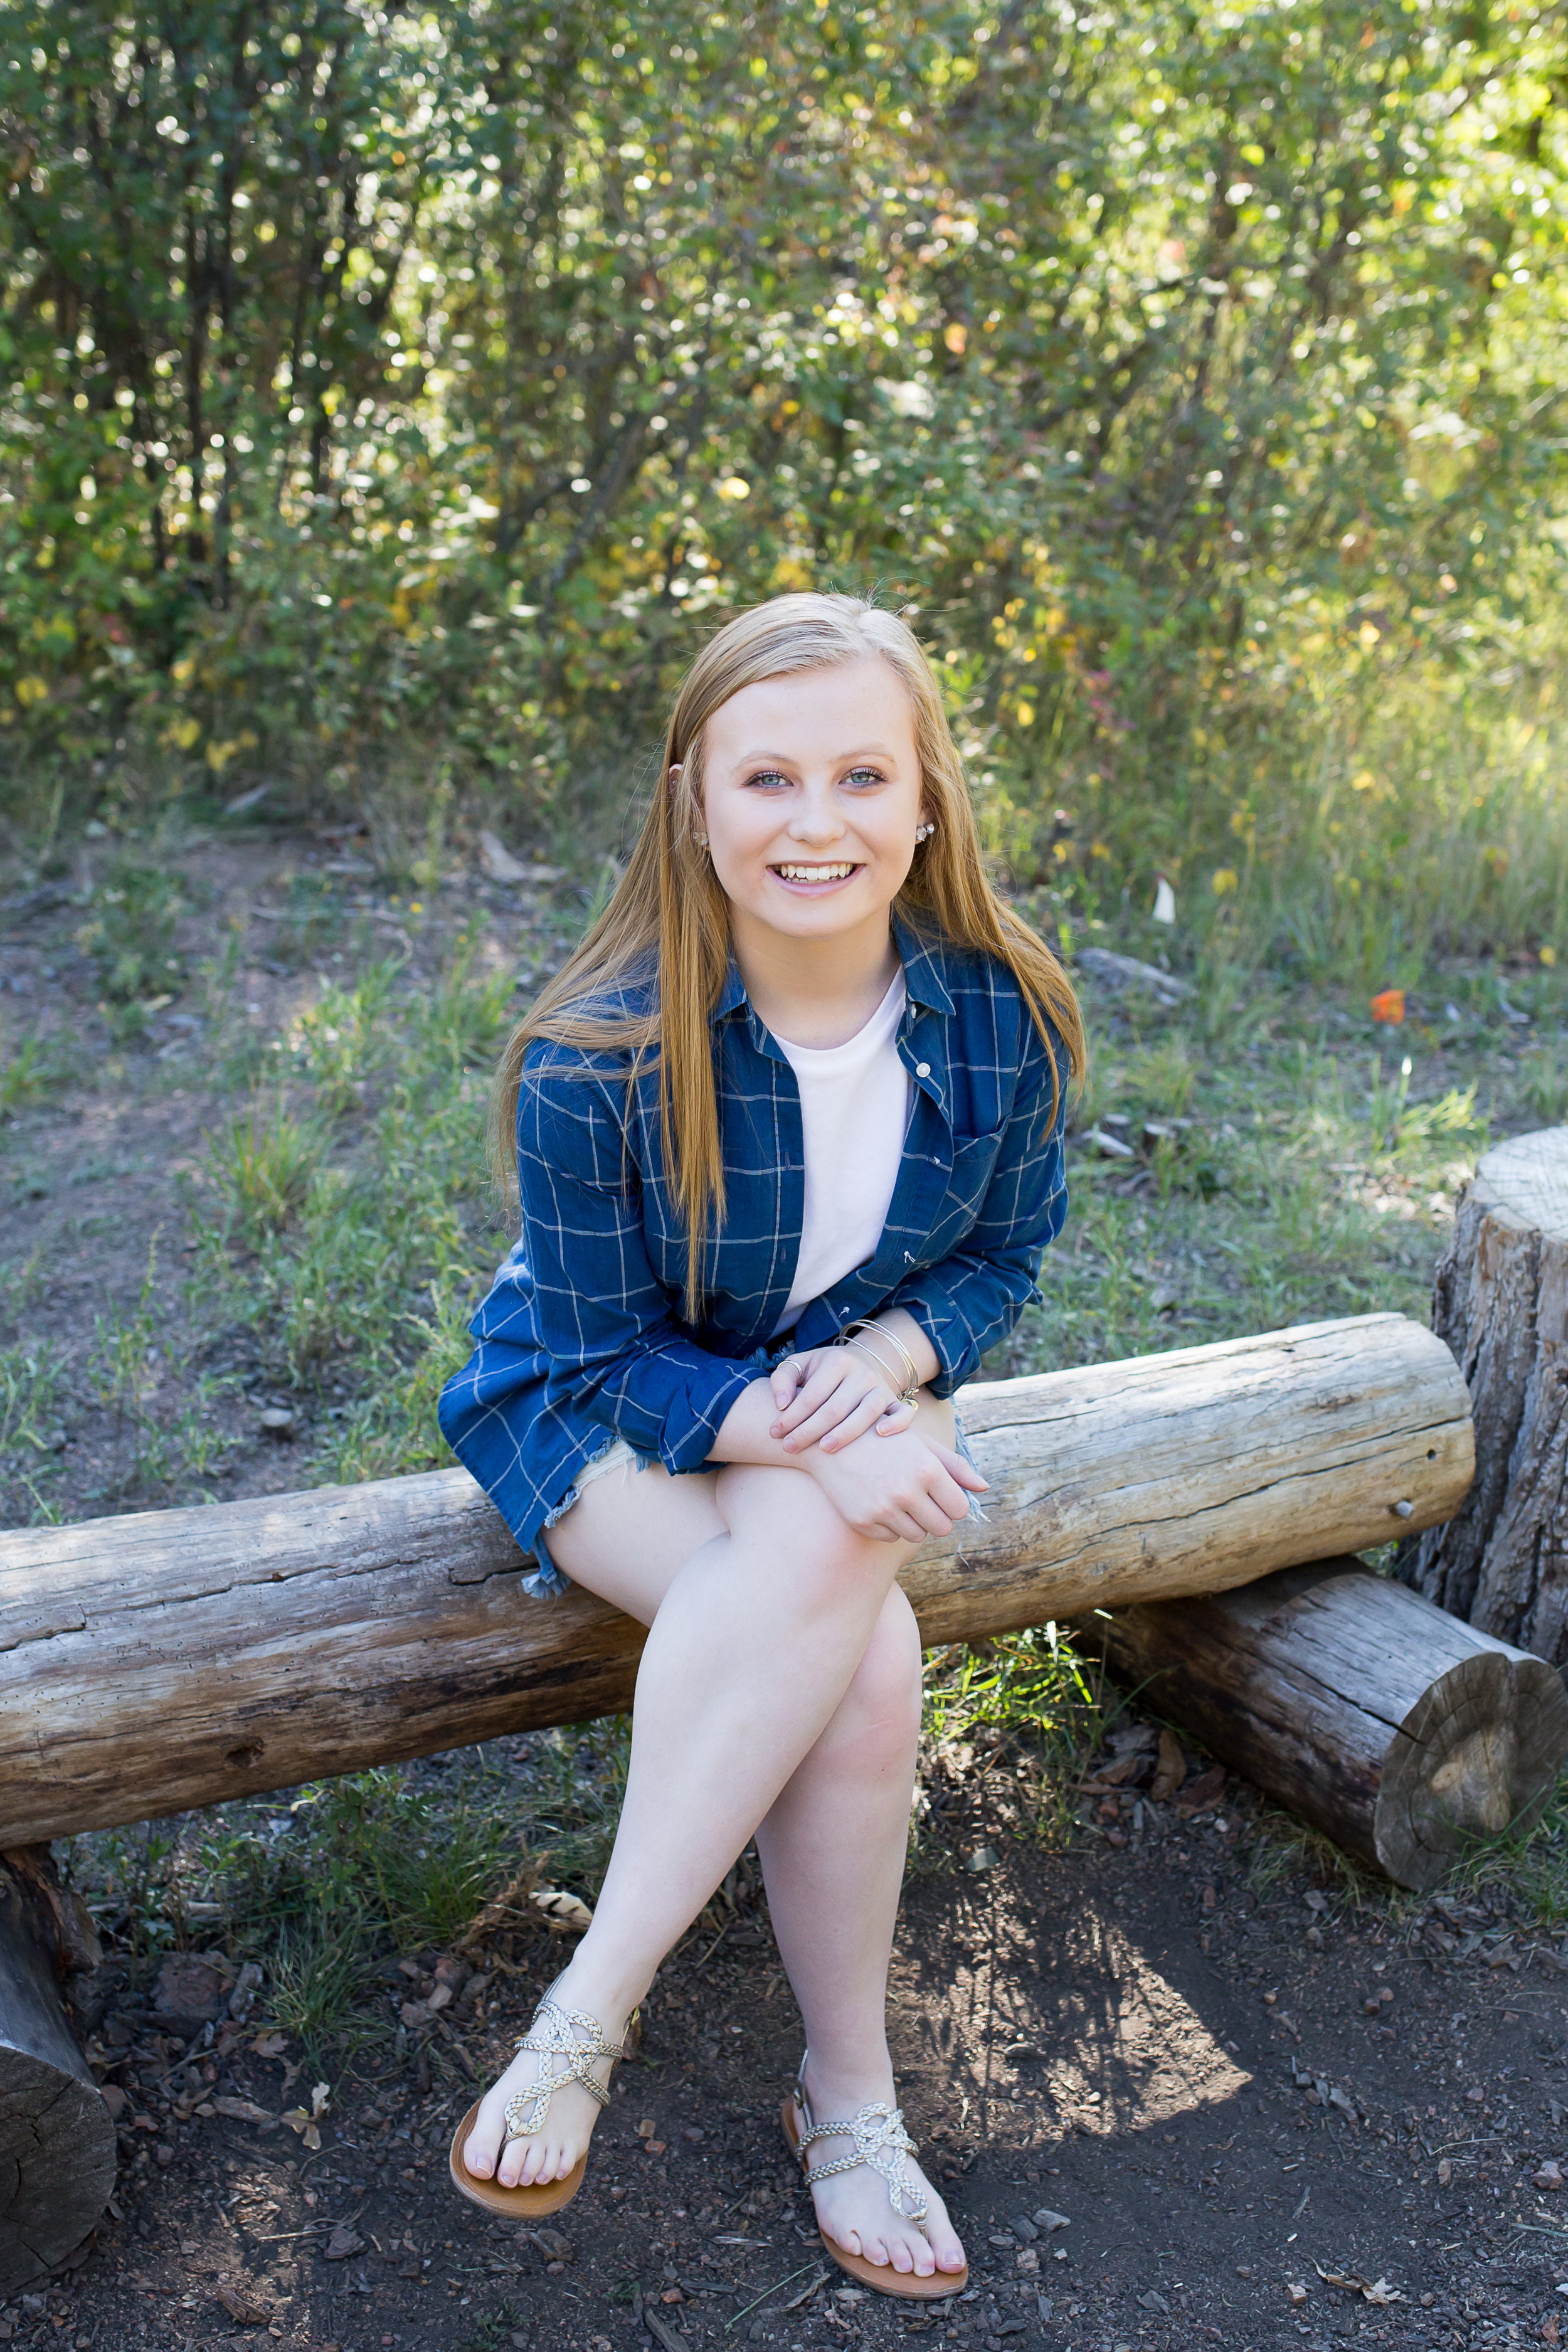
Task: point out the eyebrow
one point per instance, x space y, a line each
787 759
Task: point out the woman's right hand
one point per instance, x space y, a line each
901 1490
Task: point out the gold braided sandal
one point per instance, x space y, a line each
575 2042
879 2139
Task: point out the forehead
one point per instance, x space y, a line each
850 706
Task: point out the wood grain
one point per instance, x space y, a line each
1500 1303
154 1663
57 2142
1398 1730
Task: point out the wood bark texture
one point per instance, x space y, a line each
57 2141
172 1659
1500 1302
1399 1731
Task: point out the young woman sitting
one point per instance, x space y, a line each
787 1128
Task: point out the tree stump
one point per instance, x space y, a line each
1399 1731
56 2140
1501 1301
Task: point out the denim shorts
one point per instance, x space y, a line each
547 1581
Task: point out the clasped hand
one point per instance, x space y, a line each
904 1490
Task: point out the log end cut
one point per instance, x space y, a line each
57 2165
1479 1753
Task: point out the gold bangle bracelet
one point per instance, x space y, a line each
911 1369
904 1396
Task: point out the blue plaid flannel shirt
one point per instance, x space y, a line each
580 1341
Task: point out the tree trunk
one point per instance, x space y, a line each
57 2141
175 1659
1501 1301
1399 1731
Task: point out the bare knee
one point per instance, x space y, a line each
783 1516
879 1715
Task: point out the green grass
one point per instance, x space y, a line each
324 1883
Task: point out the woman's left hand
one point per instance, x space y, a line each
830 1396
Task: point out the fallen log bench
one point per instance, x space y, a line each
153 1663
156 1662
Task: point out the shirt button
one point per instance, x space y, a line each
922 1069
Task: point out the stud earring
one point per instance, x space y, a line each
924 832
701 839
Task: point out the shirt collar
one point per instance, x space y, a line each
923 981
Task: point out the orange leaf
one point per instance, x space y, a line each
1389 1006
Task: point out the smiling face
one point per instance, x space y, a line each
811 797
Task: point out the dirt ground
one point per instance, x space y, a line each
1265 2118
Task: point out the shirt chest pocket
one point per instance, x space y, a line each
973 1164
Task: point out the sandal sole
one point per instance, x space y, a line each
903 2286
519 2204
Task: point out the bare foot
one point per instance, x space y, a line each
562 2139
854 2208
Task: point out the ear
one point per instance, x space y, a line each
673 775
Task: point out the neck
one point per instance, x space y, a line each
814 992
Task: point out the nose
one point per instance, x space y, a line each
815 819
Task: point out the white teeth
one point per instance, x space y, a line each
815 873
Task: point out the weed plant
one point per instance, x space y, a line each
326 1882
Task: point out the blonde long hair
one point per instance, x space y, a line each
669 915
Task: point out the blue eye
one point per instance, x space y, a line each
768 776
864 776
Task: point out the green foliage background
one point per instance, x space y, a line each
391 396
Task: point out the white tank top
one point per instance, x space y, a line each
854 1109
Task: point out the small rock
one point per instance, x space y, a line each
1205 1792
1550 2174
1046 2221
1295 2292
1154 2301
278 1422
554 2246
1243 2270
1026 2260
1024 2228
243 2307
984 1857
1171 1770
189 1993
114 2099
246 1985
344 2241
1445 2173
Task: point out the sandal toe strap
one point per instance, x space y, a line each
575 2042
881 2141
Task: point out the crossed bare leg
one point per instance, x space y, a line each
779 1696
